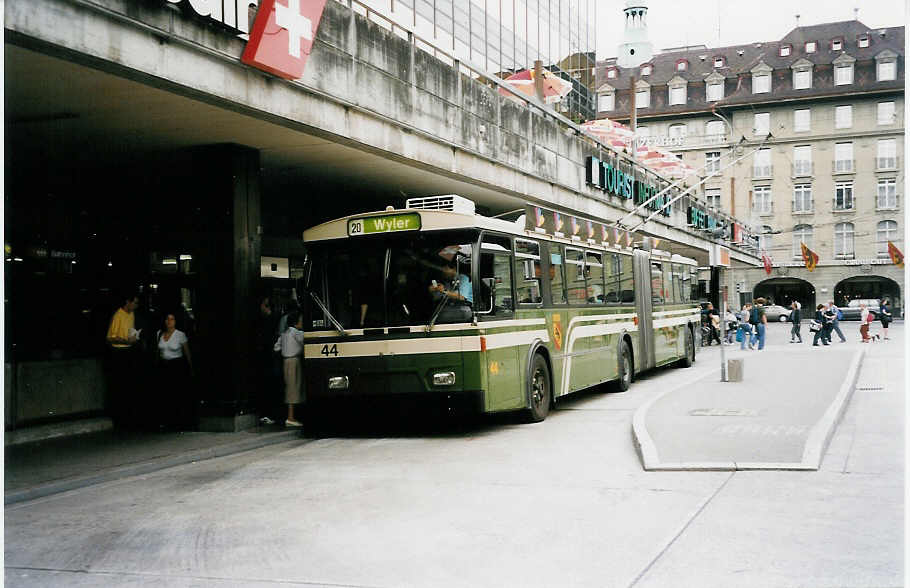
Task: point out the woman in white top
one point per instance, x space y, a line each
176 367
290 344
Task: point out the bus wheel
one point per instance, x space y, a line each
539 389
625 369
689 359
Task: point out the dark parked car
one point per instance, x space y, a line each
851 312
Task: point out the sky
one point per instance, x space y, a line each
719 23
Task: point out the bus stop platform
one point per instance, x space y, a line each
781 416
42 468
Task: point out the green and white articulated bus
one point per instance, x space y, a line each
436 303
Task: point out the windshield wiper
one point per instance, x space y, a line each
439 307
322 306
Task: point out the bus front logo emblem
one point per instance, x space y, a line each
282 36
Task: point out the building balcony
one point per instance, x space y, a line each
843 206
760 172
802 169
802 207
888 203
767 209
843 166
886 163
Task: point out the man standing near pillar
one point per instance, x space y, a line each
122 376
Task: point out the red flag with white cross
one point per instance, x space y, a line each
282 36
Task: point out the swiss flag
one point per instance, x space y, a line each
282 36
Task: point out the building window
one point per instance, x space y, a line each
886 154
887 194
646 69
761 164
886 71
642 98
764 239
843 241
761 83
843 117
885 113
785 50
714 128
802 160
885 231
761 200
802 79
802 198
843 75
802 120
643 132
863 41
611 73
843 157
677 95
761 125
843 196
606 102
811 46
801 234
677 131
712 162
718 62
715 91
712 195
837 45
682 65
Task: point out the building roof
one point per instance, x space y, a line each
740 60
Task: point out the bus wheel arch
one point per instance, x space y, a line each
538 357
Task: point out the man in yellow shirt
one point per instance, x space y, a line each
122 338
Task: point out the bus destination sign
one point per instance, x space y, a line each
387 223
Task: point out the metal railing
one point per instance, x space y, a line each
884 204
801 169
843 166
886 163
797 207
763 208
762 171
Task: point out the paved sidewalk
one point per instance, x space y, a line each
47 467
781 416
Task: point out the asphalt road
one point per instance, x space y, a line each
560 503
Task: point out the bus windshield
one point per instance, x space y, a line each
392 280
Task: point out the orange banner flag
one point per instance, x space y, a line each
896 256
809 257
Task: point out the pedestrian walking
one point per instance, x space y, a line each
837 315
759 322
821 326
885 317
175 371
795 334
290 344
744 334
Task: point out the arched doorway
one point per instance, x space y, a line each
869 287
783 291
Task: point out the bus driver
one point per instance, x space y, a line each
459 289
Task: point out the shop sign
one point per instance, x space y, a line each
282 36
233 14
612 180
702 219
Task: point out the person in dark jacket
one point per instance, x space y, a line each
795 335
884 314
823 333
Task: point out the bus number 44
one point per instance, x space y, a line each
327 351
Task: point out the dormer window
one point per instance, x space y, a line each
811 46
718 62
802 74
682 65
843 70
714 87
886 66
611 73
646 69
785 50
677 88
863 41
837 45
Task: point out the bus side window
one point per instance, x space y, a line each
557 274
626 279
495 276
527 271
575 276
594 272
677 283
669 296
657 283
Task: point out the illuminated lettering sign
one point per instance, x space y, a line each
612 180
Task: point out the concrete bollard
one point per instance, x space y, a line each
734 370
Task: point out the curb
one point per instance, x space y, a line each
816 442
147 467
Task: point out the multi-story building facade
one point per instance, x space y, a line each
817 120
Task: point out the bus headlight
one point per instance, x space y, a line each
338 383
444 379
